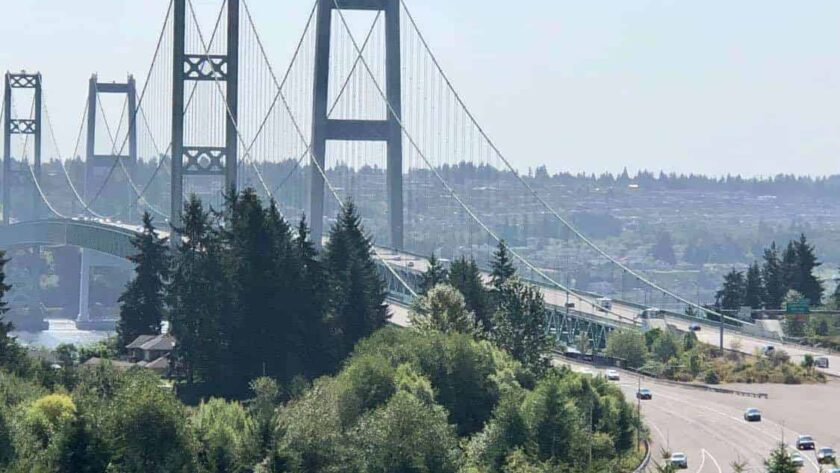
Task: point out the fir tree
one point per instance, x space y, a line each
80 450
773 278
197 297
465 276
663 250
310 304
520 324
252 268
10 352
435 274
731 296
780 461
357 291
790 267
754 288
806 282
502 268
142 303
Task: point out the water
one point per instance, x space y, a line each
61 331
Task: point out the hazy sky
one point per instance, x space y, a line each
712 86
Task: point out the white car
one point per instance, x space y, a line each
612 375
797 459
679 460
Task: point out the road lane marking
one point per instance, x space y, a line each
702 460
714 460
749 425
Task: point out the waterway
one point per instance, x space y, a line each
61 331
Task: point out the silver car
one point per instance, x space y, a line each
612 375
679 460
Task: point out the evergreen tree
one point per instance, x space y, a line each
773 278
806 282
310 304
790 267
520 324
197 297
502 268
435 274
357 291
465 276
256 321
731 296
10 353
754 288
142 303
780 461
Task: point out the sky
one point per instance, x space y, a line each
718 87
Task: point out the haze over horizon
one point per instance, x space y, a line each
715 88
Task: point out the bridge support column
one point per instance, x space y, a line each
196 159
84 288
15 172
107 161
388 130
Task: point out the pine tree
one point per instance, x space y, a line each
10 352
502 268
807 282
465 276
142 303
731 296
520 324
780 461
442 308
434 275
754 287
357 291
773 278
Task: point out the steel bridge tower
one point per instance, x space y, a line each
108 161
15 172
194 159
388 130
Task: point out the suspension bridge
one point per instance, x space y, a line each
363 111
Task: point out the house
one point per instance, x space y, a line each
148 348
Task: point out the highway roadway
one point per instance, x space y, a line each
709 427
626 315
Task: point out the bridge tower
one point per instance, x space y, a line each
325 129
15 172
207 159
105 162
96 161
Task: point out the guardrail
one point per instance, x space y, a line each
646 460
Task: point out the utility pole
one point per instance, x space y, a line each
721 332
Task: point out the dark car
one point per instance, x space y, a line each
752 415
805 442
695 327
644 394
826 455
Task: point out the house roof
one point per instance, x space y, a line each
120 365
163 342
139 341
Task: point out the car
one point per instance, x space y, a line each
694 327
797 459
752 415
612 375
644 394
822 362
570 305
826 455
805 442
768 350
834 470
679 460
